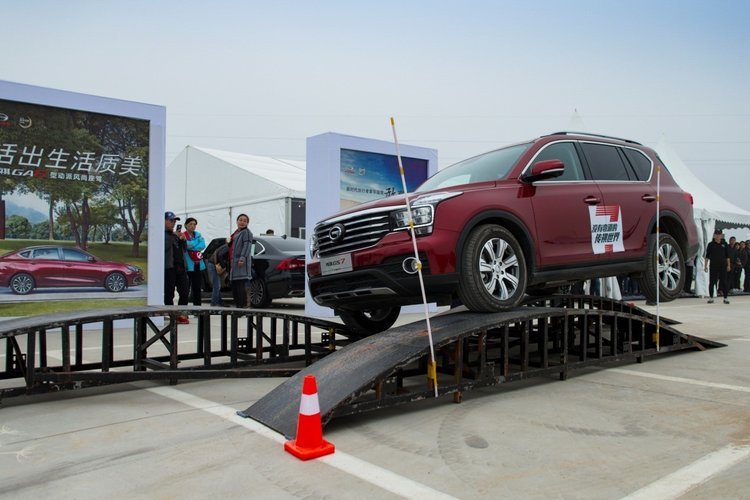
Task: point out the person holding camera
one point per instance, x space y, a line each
175 273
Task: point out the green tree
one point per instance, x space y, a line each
18 227
41 231
104 217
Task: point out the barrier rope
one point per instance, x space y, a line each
432 368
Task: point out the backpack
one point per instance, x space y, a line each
221 256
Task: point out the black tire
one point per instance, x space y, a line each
492 271
366 323
671 270
259 296
115 282
22 284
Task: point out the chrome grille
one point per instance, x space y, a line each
361 230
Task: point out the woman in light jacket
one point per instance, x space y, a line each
194 264
240 255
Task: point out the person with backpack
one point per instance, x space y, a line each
218 265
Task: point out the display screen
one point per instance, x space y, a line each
367 176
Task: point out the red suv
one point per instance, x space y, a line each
526 218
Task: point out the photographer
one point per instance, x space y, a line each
175 274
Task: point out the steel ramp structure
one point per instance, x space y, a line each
123 344
473 350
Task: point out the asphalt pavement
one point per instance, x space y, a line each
675 426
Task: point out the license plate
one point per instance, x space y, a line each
334 265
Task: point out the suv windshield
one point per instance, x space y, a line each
490 166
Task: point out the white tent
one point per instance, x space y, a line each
709 208
216 186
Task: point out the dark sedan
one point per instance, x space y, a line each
53 266
278 268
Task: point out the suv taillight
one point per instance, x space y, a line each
688 197
290 264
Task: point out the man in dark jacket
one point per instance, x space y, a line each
175 272
717 259
745 258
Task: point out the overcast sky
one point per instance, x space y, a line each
460 77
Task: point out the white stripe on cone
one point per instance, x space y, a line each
308 404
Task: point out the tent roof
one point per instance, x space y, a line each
707 204
287 173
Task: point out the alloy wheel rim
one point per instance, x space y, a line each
669 267
22 284
499 269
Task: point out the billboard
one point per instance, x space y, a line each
344 170
367 176
79 172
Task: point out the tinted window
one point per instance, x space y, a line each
490 166
73 254
257 248
46 253
287 244
565 152
640 163
605 162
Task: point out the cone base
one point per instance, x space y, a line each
325 448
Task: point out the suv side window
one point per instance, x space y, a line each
566 152
640 163
605 162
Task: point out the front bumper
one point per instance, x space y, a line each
383 285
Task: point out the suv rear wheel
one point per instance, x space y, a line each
493 270
671 269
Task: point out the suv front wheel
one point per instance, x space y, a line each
368 322
671 268
493 270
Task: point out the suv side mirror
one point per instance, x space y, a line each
543 170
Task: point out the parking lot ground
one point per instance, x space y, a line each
675 426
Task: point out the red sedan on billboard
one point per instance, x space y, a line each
28 268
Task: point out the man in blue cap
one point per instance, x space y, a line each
175 272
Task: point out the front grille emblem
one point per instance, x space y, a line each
337 233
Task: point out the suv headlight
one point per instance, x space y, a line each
422 212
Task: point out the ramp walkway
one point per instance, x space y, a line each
549 336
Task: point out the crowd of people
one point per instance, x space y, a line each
184 263
726 264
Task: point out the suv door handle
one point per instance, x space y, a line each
648 197
591 200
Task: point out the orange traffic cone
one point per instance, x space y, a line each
309 442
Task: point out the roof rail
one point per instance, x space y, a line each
596 135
